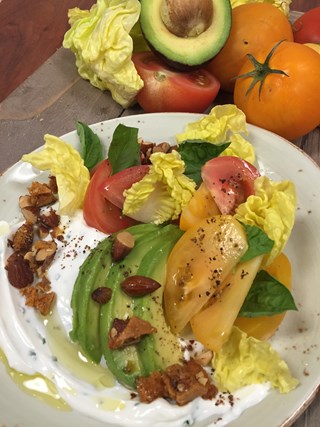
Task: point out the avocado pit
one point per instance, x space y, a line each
186 18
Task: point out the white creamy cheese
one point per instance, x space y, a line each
41 345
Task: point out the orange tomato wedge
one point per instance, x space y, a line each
201 205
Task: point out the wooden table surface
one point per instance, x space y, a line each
41 92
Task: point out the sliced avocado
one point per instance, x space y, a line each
92 322
154 351
92 274
186 33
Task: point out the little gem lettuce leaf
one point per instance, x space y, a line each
101 42
65 163
271 208
244 360
161 194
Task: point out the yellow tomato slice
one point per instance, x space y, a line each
212 325
264 327
201 205
198 265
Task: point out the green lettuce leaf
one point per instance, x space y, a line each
195 153
124 150
91 148
258 241
267 297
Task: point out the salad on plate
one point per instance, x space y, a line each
144 279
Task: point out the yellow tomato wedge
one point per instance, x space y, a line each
264 327
212 326
201 205
198 266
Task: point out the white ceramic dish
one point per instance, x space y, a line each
297 340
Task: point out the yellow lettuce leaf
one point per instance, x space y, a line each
224 123
283 5
244 360
65 163
272 208
161 194
101 42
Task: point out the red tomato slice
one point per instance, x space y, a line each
99 212
306 29
113 187
166 89
230 181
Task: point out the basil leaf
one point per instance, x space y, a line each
91 148
124 150
258 241
195 153
267 297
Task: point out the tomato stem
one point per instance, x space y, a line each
261 70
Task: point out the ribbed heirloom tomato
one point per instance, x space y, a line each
254 25
286 103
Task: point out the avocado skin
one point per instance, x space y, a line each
92 322
185 54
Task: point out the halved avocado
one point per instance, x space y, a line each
186 33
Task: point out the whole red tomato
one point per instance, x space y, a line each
306 29
168 90
279 90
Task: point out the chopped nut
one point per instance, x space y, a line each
53 184
128 331
102 295
163 147
57 233
145 146
41 194
49 219
43 250
43 232
122 245
20 274
25 201
138 286
204 357
23 238
30 214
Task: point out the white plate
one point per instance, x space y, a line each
298 338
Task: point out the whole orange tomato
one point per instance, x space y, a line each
254 25
280 89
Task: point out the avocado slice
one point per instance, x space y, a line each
186 33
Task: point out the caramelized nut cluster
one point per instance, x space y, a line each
32 255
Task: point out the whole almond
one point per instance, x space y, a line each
19 271
138 286
102 295
122 245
